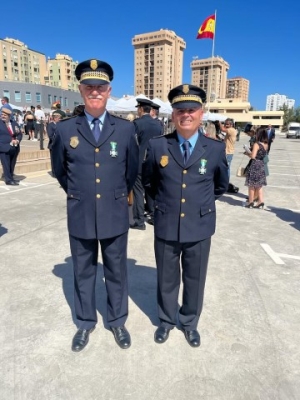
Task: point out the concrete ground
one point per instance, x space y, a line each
249 326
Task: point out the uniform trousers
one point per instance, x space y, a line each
138 207
193 257
85 259
8 161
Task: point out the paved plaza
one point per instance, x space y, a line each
249 326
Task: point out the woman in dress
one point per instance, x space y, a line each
29 121
256 176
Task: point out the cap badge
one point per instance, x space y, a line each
94 64
74 142
164 161
185 89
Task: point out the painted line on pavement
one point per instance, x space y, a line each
277 173
288 256
27 187
271 253
284 187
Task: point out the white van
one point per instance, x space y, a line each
293 130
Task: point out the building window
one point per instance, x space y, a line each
28 97
49 99
6 93
38 97
17 96
66 102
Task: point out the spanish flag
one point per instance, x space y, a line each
207 29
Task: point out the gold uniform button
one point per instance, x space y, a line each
98 180
182 200
184 171
184 185
97 150
182 214
97 164
98 196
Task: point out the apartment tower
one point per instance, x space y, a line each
158 63
237 88
61 72
18 63
211 75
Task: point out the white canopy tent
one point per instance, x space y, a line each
208 116
165 107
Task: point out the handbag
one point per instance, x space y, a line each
240 172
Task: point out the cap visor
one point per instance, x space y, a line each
187 104
94 82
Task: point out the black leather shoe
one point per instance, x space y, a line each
150 221
192 337
161 335
81 339
136 226
122 336
12 183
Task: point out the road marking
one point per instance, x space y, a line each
277 257
284 187
277 260
276 173
28 187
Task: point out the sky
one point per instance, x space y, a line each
259 40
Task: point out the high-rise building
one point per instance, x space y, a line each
211 75
18 63
158 63
237 88
60 72
276 101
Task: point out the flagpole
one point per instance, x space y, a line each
212 62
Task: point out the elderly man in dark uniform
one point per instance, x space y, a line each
146 128
10 138
95 159
186 172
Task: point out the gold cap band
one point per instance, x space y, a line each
95 75
187 97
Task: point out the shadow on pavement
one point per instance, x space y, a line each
3 230
141 286
293 218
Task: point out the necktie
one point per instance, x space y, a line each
96 129
186 151
10 130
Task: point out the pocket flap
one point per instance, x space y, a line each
120 193
73 194
208 209
160 206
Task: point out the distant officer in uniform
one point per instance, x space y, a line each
10 138
146 128
95 159
51 128
155 112
186 172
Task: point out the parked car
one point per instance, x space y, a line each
293 130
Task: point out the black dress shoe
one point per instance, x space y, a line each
192 337
150 221
122 336
81 339
12 183
136 226
161 335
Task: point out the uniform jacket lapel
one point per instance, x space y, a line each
85 130
107 129
198 151
174 148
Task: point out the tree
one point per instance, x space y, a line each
290 115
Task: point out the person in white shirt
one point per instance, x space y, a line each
40 118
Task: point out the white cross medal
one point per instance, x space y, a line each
202 169
113 150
